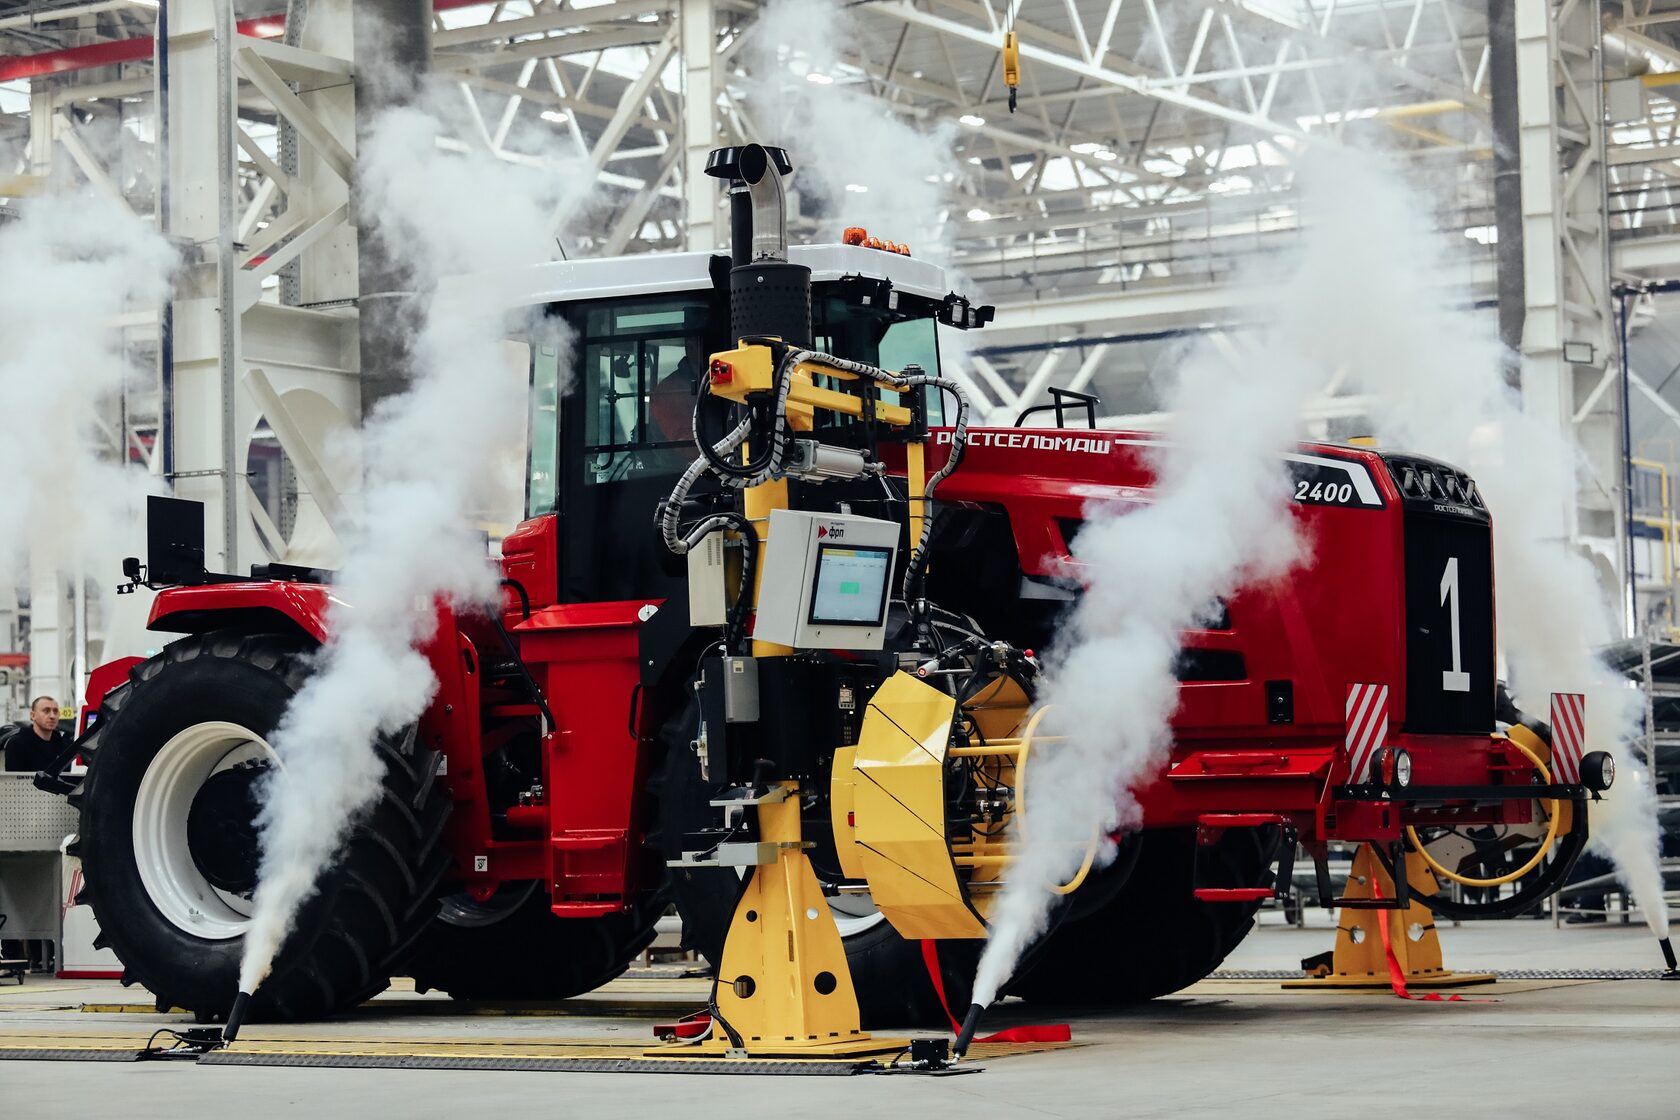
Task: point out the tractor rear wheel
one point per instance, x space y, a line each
168 839
514 948
1154 936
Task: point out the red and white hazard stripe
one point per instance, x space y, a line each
1367 727
1569 735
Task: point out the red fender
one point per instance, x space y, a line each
258 606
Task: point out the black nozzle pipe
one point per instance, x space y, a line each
1673 972
971 1023
236 1016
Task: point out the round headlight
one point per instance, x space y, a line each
1402 769
1598 770
1380 763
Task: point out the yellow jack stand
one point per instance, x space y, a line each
784 987
1360 961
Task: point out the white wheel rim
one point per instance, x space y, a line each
854 913
172 780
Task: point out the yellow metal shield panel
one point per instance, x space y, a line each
899 837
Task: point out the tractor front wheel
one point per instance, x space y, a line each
1154 937
168 839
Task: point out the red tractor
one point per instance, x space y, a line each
594 753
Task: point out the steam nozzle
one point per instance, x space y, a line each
236 1016
1673 972
971 1023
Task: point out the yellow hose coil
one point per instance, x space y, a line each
1539 854
1021 812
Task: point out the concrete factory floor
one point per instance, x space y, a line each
1226 1047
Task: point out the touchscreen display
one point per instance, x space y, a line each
851 585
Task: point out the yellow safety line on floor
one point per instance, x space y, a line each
409 1008
435 1048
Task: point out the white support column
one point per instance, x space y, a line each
1566 264
41 128
202 118
699 60
50 642
224 321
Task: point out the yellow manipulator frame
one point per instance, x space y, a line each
784 987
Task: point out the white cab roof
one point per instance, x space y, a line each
651 273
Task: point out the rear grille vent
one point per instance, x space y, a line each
1426 484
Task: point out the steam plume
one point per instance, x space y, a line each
860 163
1434 373
70 264
1218 519
435 456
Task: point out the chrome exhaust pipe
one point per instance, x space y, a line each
758 170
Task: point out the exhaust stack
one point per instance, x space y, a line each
768 297
1673 972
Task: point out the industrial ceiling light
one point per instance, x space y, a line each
971 120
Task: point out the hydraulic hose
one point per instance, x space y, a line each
774 438
1512 876
959 439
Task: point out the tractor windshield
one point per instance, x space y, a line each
880 336
612 417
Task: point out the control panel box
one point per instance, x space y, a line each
827 580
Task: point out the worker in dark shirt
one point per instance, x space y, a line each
30 746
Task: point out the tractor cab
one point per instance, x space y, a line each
614 385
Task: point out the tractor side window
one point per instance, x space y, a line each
642 368
542 463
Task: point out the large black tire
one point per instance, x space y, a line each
1154 937
527 953
369 906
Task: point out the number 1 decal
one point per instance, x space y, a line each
1454 679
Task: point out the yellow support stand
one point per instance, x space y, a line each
1360 960
783 986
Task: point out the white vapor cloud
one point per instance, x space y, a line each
435 458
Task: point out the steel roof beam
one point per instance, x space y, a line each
1106 75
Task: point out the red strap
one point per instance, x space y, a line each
1048 1032
1397 978
689 1026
